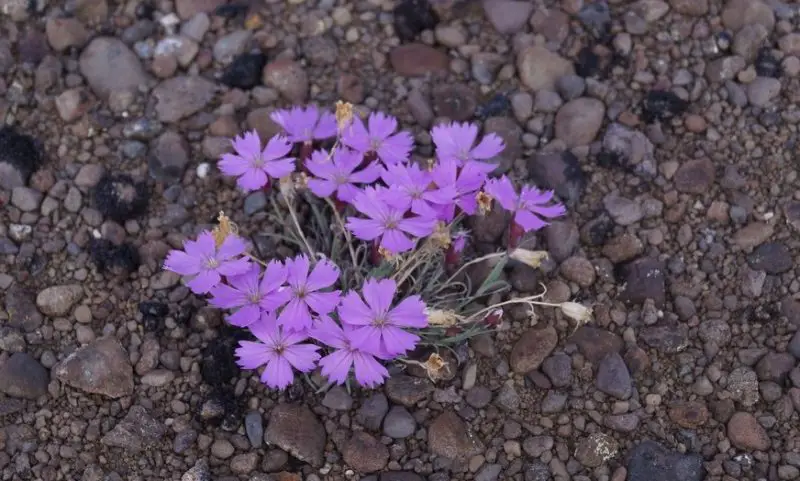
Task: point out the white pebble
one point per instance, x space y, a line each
202 170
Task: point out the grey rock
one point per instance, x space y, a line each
11 339
649 461
613 377
229 46
21 309
58 300
489 472
110 66
508 16
169 156
532 348
372 411
539 68
743 386
507 398
295 429
137 431
558 369
578 121
199 472
449 437
771 257
624 423
535 446
180 97
255 202
364 453
623 210
553 402
763 90
632 148
22 376
408 390
337 398
26 199
571 86
399 423
559 171
594 450
254 428
102 367
478 397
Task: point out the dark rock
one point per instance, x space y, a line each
23 376
254 428
454 101
596 18
594 450
119 198
364 453
497 106
667 339
532 349
559 171
372 411
775 366
118 260
695 176
296 430
338 398
221 408
449 437
169 156
244 72
644 279
399 423
613 377
19 158
400 476
595 343
153 313
650 461
21 308
511 134
662 105
630 149
199 472
689 415
478 397
102 367
562 239
489 228
558 369
771 257
746 433
766 64
536 471
411 17
408 390
137 431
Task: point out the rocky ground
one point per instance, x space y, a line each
668 126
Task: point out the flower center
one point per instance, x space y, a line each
257 161
254 297
279 348
379 321
212 263
375 144
300 292
463 155
340 179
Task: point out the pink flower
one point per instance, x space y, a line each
379 326
306 124
410 188
379 138
306 292
206 262
466 180
279 351
337 173
252 294
457 141
387 223
529 207
336 365
253 166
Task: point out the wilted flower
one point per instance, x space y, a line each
252 166
577 312
278 350
306 124
378 137
457 141
206 262
531 258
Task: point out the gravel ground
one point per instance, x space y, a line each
669 127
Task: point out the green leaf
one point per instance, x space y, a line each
493 276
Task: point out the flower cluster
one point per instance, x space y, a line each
296 308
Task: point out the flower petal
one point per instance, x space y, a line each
278 374
379 295
182 263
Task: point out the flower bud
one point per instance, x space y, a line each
529 257
442 317
577 312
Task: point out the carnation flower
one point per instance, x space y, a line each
410 188
306 292
305 124
254 167
279 351
457 141
252 294
337 173
379 326
529 207
336 365
207 262
387 223
465 180
378 137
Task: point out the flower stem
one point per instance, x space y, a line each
347 237
293 213
467 264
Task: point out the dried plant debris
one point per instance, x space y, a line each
119 198
19 158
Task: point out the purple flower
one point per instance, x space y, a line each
306 124
379 137
207 262
410 187
254 166
336 365
457 141
306 295
252 295
460 239
529 207
379 326
466 181
279 351
387 222
337 173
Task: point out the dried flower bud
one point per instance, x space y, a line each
528 257
442 318
577 312
223 229
441 236
484 202
287 188
436 367
494 318
344 114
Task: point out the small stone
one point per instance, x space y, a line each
102 367
450 36
168 158
644 279
351 88
399 423
595 343
21 308
295 429
450 438
136 432
227 47
243 464
624 211
457 102
553 402
364 453
22 376
762 90
775 366
507 398
746 433
58 300
254 428
511 134
594 450
724 68
623 248
631 148
540 68
289 78
222 449
649 461
558 369
408 390
559 171
26 199
490 472
695 176
372 411
189 8
623 423
693 8
666 338
411 17
738 13
743 386
752 235
532 349
535 446
337 398
613 377
578 270
689 415
63 33
198 472
478 397
110 66
578 121
417 60
771 257
180 97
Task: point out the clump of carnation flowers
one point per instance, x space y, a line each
381 250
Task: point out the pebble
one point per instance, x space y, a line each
478 397
417 60
169 156
644 279
408 390
399 423
26 199
289 78
254 428
762 90
338 398
532 349
649 461
579 270
450 438
623 210
450 36
58 300
182 96
110 66
222 449
490 472
229 46
136 432
560 171
199 472
372 411
771 257
594 450
746 433
775 366
22 376
689 415
743 386
558 369
456 102
540 68
613 377
695 176
102 367
364 453
63 33
508 16
752 235
296 430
